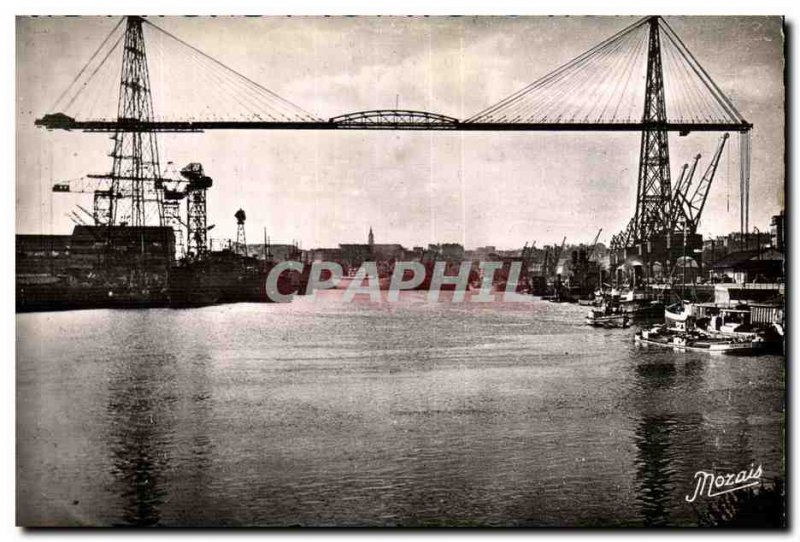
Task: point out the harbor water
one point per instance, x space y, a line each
321 412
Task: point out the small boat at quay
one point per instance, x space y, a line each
614 310
643 309
608 314
726 321
697 340
715 328
612 320
637 305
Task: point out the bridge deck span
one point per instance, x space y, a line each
200 126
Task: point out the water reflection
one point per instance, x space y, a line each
653 471
193 480
140 434
658 471
743 449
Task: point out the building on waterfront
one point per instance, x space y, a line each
96 251
38 255
760 266
120 251
389 252
738 241
484 253
732 255
777 230
655 260
325 255
352 255
714 249
276 252
453 252
722 245
93 264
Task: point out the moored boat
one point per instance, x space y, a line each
642 309
612 320
614 309
697 340
678 313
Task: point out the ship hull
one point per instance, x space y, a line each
698 343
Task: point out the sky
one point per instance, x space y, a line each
324 188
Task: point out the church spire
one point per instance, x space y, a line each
371 238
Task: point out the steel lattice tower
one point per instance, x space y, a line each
241 241
172 219
653 194
136 195
196 217
197 231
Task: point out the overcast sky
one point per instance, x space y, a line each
323 188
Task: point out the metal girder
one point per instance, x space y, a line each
394 119
58 121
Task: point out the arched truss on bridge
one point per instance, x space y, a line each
395 119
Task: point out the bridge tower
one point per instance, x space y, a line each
135 197
653 194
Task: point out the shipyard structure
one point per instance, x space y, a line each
118 265
144 242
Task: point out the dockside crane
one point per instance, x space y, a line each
594 244
92 184
557 255
75 217
191 186
546 262
694 204
686 209
86 185
85 211
679 214
591 254
678 217
527 252
625 237
526 261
